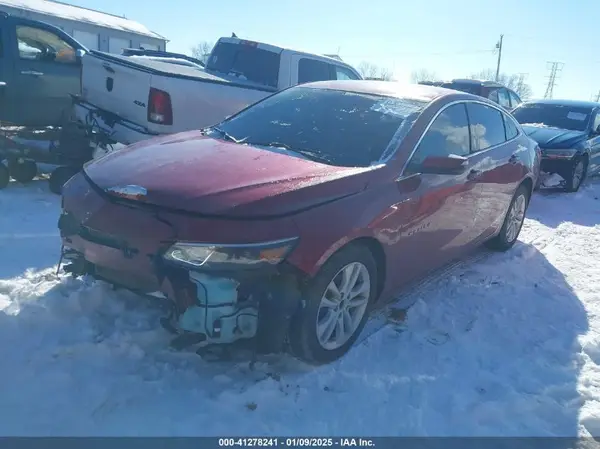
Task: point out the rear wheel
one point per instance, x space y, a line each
336 306
59 177
512 222
4 176
22 170
576 175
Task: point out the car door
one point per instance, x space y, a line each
495 169
594 143
434 213
46 70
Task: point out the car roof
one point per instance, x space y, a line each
476 82
387 89
574 103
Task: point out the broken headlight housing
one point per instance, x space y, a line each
208 256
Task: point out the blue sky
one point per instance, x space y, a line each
452 38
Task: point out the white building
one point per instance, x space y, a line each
94 29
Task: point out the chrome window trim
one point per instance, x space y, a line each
442 109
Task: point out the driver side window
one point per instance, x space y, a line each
37 44
448 134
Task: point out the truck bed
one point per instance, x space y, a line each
180 71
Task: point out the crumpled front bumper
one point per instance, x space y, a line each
260 308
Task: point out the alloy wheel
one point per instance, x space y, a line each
577 175
516 216
343 305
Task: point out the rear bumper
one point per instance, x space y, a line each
110 125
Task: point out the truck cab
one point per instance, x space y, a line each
40 67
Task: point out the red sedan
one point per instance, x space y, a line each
284 224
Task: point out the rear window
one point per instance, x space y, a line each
464 87
247 62
332 126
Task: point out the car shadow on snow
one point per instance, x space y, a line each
555 206
491 350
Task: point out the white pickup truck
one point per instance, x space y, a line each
129 99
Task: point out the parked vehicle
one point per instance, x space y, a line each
134 99
40 70
568 133
491 90
291 219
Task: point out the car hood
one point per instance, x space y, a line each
193 173
554 138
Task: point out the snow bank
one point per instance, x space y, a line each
509 345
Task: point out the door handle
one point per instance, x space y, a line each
31 73
513 159
473 175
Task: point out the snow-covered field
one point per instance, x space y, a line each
506 345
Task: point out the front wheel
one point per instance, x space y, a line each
576 176
513 222
59 177
22 170
336 305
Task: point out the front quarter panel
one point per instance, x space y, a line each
325 229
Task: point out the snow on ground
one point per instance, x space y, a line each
509 345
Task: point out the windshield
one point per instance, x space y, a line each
554 116
332 126
247 62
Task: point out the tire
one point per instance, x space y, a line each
508 235
304 342
23 170
4 176
59 177
576 175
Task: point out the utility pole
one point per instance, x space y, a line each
555 68
499 47
597 99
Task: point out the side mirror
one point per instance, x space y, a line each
79 53
444 165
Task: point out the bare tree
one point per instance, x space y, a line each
202 51
372 71
422 75
514 82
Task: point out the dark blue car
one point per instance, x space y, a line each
568 133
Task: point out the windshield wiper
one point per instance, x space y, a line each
223 133
312 155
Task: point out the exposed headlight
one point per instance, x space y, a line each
207 256
559 153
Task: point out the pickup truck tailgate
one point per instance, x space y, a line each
116 87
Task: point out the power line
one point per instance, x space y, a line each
555 68
392 55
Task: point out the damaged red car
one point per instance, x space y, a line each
286 224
